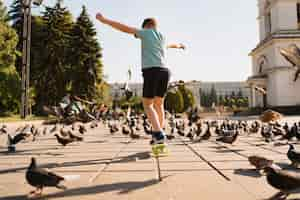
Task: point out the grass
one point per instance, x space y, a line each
17 118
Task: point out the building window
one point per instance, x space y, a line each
268 23
298 15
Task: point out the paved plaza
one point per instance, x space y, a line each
117 167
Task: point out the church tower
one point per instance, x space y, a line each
272 81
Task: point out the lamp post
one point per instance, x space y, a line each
26 4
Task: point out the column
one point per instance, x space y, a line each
252 96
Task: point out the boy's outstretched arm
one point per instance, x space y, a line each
176 46
116 25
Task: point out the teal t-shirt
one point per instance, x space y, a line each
153 48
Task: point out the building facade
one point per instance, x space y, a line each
196 87
279 22
222 88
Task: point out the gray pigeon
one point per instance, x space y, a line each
293 155
286 182
3 129
40 178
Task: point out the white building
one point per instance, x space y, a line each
226 88
279 22
222 88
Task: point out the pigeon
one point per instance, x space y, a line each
63 141
199 129
3 129
290 133
181 132
73 126
113 129
207 134
254 127
64 132
170 136
259 162
286 182
294 156
228 139
190 134
40 178
45 131
54 128
138 128
267 133
16 139
292 54
147 129
125 130
93 125
74 137
82 129
133 135
286 126
36 132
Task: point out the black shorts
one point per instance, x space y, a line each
156 80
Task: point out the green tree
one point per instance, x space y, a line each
233 95
86 64
231 102
226 100
54 81
213 98
240 102
188 97
3 14
174 102
9 79
205 99
15 15
221 100
240 93
104 93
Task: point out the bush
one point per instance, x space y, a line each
174 102
188 97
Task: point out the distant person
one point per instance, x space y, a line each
155 70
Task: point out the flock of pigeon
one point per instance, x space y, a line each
194 129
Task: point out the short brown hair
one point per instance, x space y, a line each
149 21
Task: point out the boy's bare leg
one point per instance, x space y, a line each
152 114
159 108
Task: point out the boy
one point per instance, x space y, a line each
155 72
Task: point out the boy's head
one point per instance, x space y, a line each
149 23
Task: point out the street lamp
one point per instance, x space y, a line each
26 4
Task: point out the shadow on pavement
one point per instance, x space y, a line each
122 188
123 159
26 152
248 172
228 150
97 141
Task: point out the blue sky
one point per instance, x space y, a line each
218 35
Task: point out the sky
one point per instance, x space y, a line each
218 35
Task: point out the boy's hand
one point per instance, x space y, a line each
100 17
